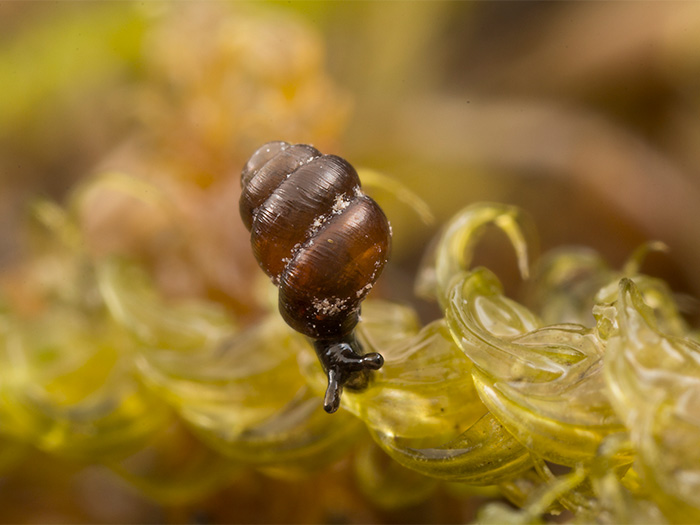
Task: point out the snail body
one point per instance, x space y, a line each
323 243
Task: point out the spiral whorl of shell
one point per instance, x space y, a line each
319 238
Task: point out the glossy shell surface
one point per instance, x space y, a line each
319 238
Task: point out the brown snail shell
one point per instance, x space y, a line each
324 244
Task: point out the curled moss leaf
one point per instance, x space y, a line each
135 303
654 384
68 387
482 319
387 483
657 297
241 391
67 379
572 283
175 468
538 504
422 408
544 384
374 179
619 497
485 454
424 391
565 283
454 250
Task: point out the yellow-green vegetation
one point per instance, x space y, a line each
490 395
143 362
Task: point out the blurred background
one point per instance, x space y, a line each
587 115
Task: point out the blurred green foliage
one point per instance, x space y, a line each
139 349
64 51
489 395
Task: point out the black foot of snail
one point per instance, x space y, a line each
345 366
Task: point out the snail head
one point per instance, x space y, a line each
345 365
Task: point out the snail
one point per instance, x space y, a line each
323 242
